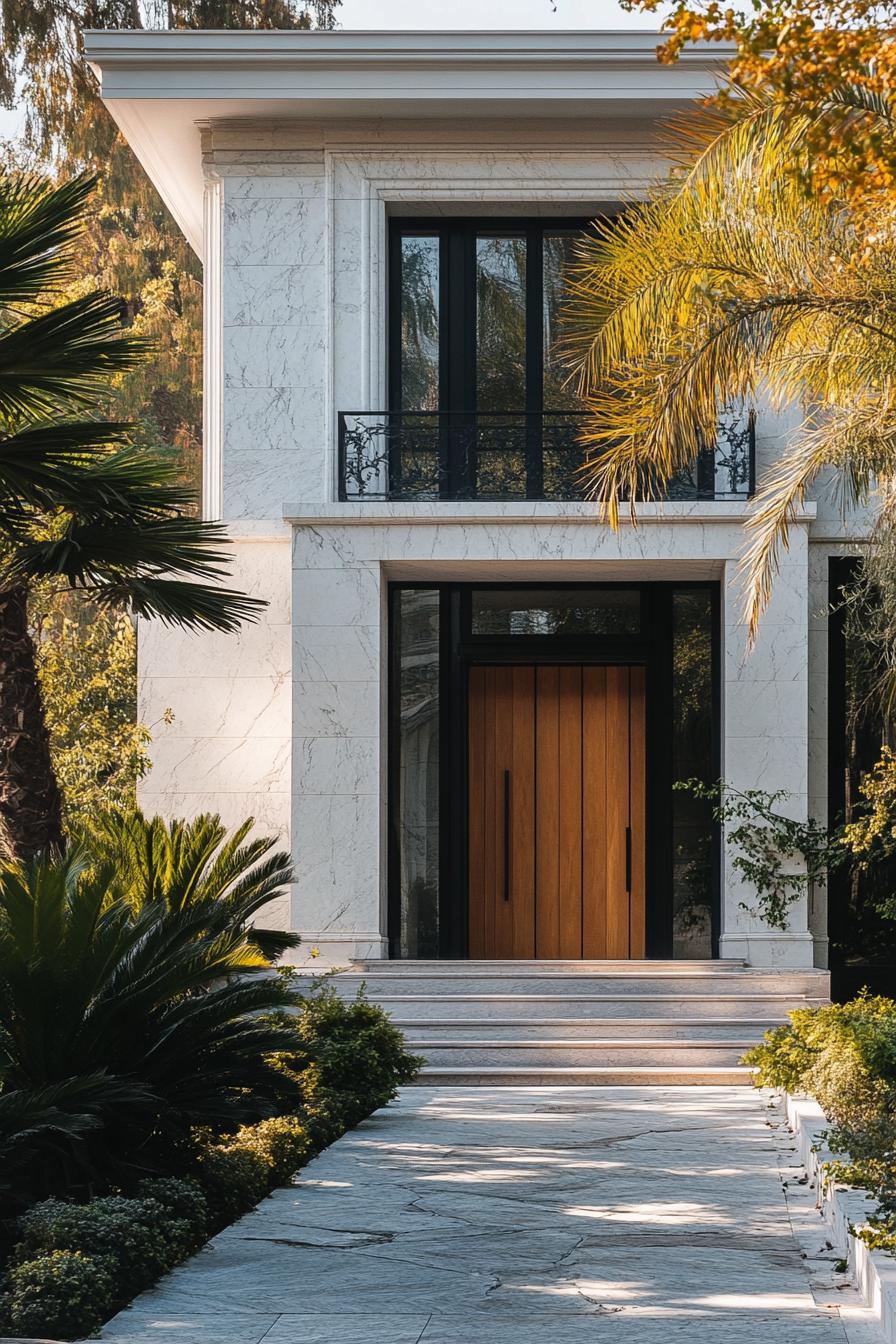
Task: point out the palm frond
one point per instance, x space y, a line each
67 355
39 222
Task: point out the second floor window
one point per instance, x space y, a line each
475 315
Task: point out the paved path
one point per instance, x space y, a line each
527 1216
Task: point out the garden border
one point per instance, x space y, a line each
844 1208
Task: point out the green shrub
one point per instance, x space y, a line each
183 1199
844 1055
349 1059
61 1295
238 1171
139 1237
233 1180
283 1144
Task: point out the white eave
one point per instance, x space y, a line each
160 86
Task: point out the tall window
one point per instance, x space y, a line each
476 314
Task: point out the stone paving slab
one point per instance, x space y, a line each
526 1215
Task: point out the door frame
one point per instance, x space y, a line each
459 649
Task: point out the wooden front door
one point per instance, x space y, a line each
556 812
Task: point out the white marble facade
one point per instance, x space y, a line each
285 721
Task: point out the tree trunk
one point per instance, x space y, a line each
30 802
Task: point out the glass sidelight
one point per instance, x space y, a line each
415 792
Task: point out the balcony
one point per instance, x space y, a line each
420 456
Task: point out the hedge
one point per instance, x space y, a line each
844 1055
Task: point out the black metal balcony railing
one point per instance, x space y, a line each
447 455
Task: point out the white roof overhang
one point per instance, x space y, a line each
160 87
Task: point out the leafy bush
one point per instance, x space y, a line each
349 1059
64 1294
239 1171
182 1198
845 1056
140 1238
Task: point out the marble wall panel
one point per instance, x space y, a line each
338 757
219 706
765 707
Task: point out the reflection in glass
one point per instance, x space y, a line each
559 255
417 635
692 757
420 323
863 937
500 324
562 611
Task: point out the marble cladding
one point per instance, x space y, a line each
219 707
285 720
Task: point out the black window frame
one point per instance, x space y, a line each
457 301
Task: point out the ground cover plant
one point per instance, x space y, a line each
844 1055
158 1074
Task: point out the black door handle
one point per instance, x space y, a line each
507 835
628 858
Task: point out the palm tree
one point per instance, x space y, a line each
733 280
80 505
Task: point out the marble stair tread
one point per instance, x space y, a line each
773 1007
580 1054
426 1029
395 983
579 1076
556 963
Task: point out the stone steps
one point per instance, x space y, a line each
504 1007
597 1053
433 1029
566 1023
627 1076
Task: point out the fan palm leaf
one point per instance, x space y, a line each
80 504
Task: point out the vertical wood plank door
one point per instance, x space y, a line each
556 812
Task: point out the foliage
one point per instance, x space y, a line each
132 247
845 1056
164 1006
191 863
730 282
87 660
76 1263
43 1127
238 1171
139 1236
806 53
64 1294
347 1056
782 858
80 503
872 835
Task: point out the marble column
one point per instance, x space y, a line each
765 740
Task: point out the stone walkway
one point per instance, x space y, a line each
527 1216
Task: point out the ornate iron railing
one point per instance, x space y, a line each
452 455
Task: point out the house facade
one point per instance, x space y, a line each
468 701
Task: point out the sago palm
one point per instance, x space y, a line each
730 283
167 1009
80 506
189 863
